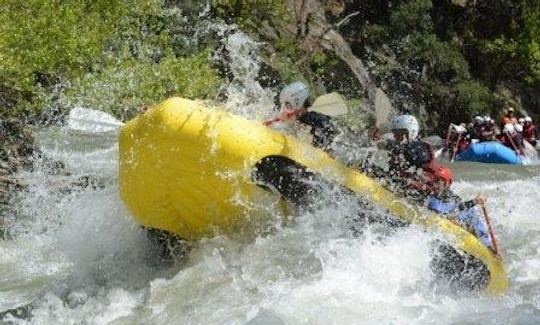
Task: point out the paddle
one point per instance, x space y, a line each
456 147
440 151
522 156
490 228
93 121
459 129
331 104
383 109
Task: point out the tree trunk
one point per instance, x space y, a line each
316 33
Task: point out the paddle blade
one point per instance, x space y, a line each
383 108
92 121
331 104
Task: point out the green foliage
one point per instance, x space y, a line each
443 61
473 99
518 47
58 37
412 16
435 72
250 14
128 84
113 55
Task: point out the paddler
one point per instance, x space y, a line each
409 157
295 100
443 201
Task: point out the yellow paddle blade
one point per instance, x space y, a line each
331 104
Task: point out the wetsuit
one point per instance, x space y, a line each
323 128
405 160
413 154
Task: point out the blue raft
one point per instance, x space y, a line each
490 152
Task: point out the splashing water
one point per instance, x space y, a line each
77 256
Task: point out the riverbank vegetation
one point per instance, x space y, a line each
444 60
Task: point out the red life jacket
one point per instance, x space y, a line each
507 119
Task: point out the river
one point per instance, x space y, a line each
75 256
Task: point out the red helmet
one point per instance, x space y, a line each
442 172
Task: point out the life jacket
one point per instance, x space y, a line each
424 182
507 119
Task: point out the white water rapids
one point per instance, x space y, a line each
77 257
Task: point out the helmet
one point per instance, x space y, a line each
444 173
521 120
511 109
478 119
528 119
487 118
294 94
518 128
406 122
509 128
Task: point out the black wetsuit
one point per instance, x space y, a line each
323 128
416 154
402 175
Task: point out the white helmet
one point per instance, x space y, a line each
528 119
509 128
406 122
478 119
294 94
521 120
518 128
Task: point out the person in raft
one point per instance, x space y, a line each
509 117
530 131
295 100
443 201
409 158
512 139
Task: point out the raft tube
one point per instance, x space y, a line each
187 168
490 152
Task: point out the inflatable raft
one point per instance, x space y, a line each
192 170
490 152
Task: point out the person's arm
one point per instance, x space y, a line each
286 115
315 119
323 129
442 207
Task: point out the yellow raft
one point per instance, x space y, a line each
187 168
